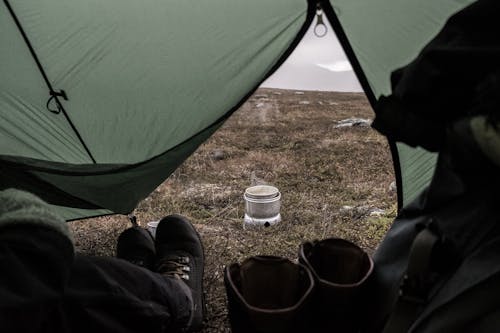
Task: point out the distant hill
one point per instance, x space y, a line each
312 77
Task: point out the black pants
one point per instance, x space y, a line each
45 287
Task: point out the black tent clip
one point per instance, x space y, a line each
320 28
53 95
133 219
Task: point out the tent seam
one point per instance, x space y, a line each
124 167
365 84
54 95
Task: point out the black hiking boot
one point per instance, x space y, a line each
341 271
268 294
136 246
180 255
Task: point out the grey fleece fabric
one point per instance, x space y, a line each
22 208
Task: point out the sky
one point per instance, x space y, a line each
318 63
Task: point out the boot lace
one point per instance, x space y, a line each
177 267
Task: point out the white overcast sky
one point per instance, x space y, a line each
316 64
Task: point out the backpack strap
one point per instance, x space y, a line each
416 283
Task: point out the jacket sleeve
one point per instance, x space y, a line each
36 254
455 76
23 208
445 79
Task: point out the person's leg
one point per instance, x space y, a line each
177 252
109 294
119 294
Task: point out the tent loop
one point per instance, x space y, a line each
53 97
320 28
133 219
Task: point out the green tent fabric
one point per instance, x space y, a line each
101 100
381 36
146 83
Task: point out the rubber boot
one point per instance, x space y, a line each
268 294
341 272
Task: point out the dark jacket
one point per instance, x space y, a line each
447 100
46 287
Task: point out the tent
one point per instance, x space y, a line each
101 100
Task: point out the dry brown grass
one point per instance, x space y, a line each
281 138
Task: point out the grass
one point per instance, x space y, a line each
332 180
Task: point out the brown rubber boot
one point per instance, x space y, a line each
341 272
268 294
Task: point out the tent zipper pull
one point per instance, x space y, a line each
320 28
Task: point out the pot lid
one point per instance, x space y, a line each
262 192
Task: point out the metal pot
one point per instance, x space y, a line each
262 205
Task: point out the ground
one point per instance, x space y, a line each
335 182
